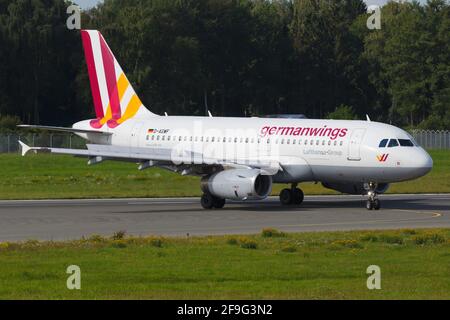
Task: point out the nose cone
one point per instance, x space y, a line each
423 163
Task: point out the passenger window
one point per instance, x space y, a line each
342 143
405 143
393 143
383 143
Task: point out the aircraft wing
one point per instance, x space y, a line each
108 152
270 167
63 129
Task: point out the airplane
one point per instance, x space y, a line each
238 158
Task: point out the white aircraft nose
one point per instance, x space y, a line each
423 163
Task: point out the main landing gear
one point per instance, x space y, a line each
293 196
209 201
373 203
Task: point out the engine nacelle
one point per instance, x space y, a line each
355 188
238 184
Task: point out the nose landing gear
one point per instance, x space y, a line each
373 203
291 196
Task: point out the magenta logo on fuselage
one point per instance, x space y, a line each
332 133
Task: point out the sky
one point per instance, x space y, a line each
85 4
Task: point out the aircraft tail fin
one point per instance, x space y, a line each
115 100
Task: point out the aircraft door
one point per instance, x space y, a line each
354 149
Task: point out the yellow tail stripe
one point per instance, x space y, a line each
122 86
132 109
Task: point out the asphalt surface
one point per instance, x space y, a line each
72 219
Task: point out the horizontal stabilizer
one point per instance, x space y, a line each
63 129
105 152
25 148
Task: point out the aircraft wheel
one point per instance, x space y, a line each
369 205
286 197
207 201
218 203
298 196
376 204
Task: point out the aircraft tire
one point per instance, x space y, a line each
207 201
286 197
298 196
376 204
218 203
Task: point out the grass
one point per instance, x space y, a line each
47 176
296 266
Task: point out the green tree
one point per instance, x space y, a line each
327 55
40 59
409 61
343 112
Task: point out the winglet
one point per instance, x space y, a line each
25 148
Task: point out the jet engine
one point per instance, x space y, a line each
238 184
355 188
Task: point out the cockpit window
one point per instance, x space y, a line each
412 140
383 143
393 143
406 143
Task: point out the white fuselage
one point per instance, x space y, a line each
308 150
